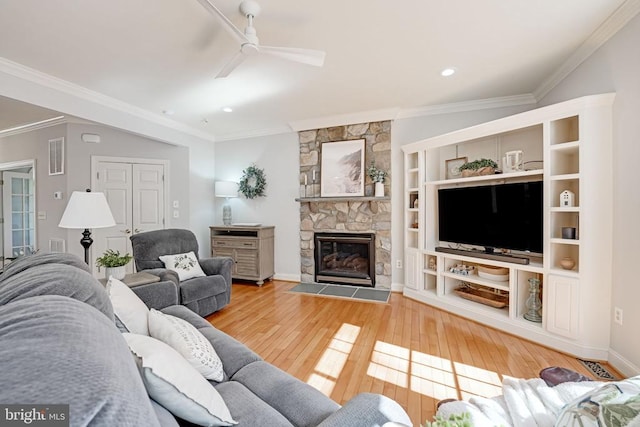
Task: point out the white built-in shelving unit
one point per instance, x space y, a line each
568 146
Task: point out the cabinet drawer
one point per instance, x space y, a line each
235 243
223 252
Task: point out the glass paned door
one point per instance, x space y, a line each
19 209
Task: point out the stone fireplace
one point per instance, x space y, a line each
347 258
358 215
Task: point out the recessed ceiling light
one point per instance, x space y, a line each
168 112
227 109
448 72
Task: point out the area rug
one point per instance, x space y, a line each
356 293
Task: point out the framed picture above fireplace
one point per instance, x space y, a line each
342 169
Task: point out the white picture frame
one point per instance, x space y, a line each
342 168
56 156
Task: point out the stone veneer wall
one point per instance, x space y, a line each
356 214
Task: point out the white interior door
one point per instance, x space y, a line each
135 193
148 197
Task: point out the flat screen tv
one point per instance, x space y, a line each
505 216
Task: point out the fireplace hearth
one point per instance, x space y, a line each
345 258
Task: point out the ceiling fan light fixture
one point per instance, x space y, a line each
447 72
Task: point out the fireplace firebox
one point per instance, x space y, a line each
345 258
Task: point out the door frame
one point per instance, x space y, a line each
17 164
165 163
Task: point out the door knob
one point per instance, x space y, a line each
137 230
127 231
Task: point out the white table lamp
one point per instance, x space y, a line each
87 210
226 189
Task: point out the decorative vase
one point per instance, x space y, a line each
533 303
567 263
116 272
379 189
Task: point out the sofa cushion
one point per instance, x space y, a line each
55 279
57 350
233 353
130 310
185 264
300 403
202 287
41 258
247 409
183 337
172 382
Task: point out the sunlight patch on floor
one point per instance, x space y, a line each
332 361
430 375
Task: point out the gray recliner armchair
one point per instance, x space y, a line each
203 295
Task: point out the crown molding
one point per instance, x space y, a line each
342 119
30 127
614 23
253 134
478 104
102 101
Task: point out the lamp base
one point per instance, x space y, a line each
226 214
86 242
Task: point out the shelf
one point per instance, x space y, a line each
413 210
498 176
431 272
474 278
564 177
573 209
415 230
413 190
475 306
561 241
413 170
565 146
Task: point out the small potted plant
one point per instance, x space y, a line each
479 167
113 263
377 176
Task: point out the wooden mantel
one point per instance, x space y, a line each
342 199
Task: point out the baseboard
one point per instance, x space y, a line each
622 365
287 277
397 287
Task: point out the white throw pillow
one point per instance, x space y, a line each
172 382
132 312
183 337
186 265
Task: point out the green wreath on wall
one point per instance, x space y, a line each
253 182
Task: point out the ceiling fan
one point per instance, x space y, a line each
250 45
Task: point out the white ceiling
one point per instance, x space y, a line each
161 55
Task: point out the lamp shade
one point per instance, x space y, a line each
87 210
226 189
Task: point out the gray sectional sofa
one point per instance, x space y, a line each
59 345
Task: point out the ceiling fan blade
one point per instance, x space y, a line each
231 65
235 32
304 56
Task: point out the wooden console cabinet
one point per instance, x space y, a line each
250 247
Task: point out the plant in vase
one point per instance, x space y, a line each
113 263
479 167
377 176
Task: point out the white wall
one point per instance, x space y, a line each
278 156
615 67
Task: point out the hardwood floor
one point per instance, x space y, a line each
406 350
